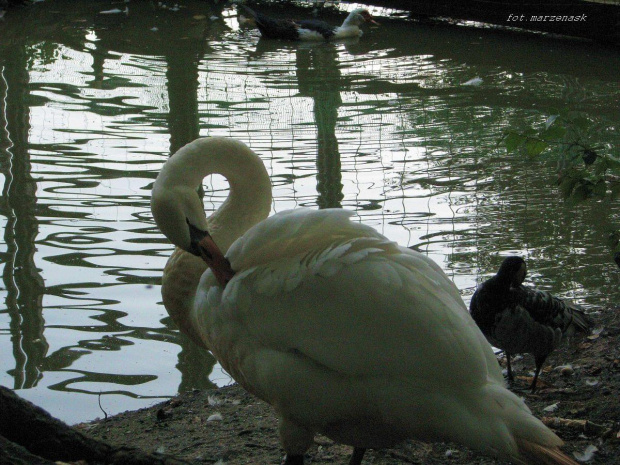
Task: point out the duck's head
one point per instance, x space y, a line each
513 270
360 16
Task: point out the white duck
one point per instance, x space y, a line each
342 331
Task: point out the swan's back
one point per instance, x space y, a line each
294 232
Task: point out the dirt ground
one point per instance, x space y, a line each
581 382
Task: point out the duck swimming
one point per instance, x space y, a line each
310 29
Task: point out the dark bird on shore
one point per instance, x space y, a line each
309 29
520 319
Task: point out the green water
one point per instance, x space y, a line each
92 104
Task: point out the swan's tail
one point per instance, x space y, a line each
528 441
538 454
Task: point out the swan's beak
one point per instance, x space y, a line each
203 246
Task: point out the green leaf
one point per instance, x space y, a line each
513 141
566 186
600 188
554 132
601 167
535 147
612 162
581 122
581 192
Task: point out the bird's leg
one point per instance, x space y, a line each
296 440
357 456
539 364
293 460
509 374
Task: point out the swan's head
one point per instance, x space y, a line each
359 16
176 205
175 202
174 209
513 270
178 211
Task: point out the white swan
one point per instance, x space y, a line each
342 331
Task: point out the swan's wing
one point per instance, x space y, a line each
361 306
293 232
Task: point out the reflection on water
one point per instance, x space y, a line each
92 104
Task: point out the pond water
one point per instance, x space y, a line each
93 102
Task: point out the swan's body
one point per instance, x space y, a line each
342 331
519 319
310 29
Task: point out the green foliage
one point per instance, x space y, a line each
586 168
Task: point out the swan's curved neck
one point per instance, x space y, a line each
175 200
